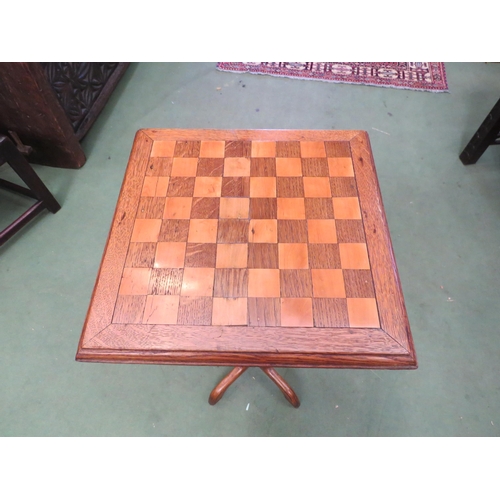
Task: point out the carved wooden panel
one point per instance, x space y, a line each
83 88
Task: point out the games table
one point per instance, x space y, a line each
264 248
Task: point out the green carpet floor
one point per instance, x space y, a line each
444 220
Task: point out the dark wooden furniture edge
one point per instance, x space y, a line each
100 319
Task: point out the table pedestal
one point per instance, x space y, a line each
222 386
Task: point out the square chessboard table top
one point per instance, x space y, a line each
249 248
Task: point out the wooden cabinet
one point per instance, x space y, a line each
51 106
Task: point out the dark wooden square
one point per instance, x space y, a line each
238 149
210 167
324 256
174 230
232 231
289 187
343 187
160 167
187 149
141 255
205 208
318 208
235 187
263 208
292 231
330 313
151 207
338 149
231 283
195 311
263 255
288 149
200 255
264 312
350 231
296 283
129 309
262 167
358 283
181 187
315 167
165 281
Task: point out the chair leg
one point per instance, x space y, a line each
20 222
36 188
485 136
24 170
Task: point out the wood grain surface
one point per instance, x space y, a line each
249 248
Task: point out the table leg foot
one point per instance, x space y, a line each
287 391
222 386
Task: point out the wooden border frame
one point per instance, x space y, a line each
390 346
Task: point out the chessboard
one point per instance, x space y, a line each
245 236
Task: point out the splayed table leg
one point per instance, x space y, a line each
287 391
223 385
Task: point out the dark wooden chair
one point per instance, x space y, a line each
35 188
486 135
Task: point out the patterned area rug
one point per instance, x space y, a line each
427 76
